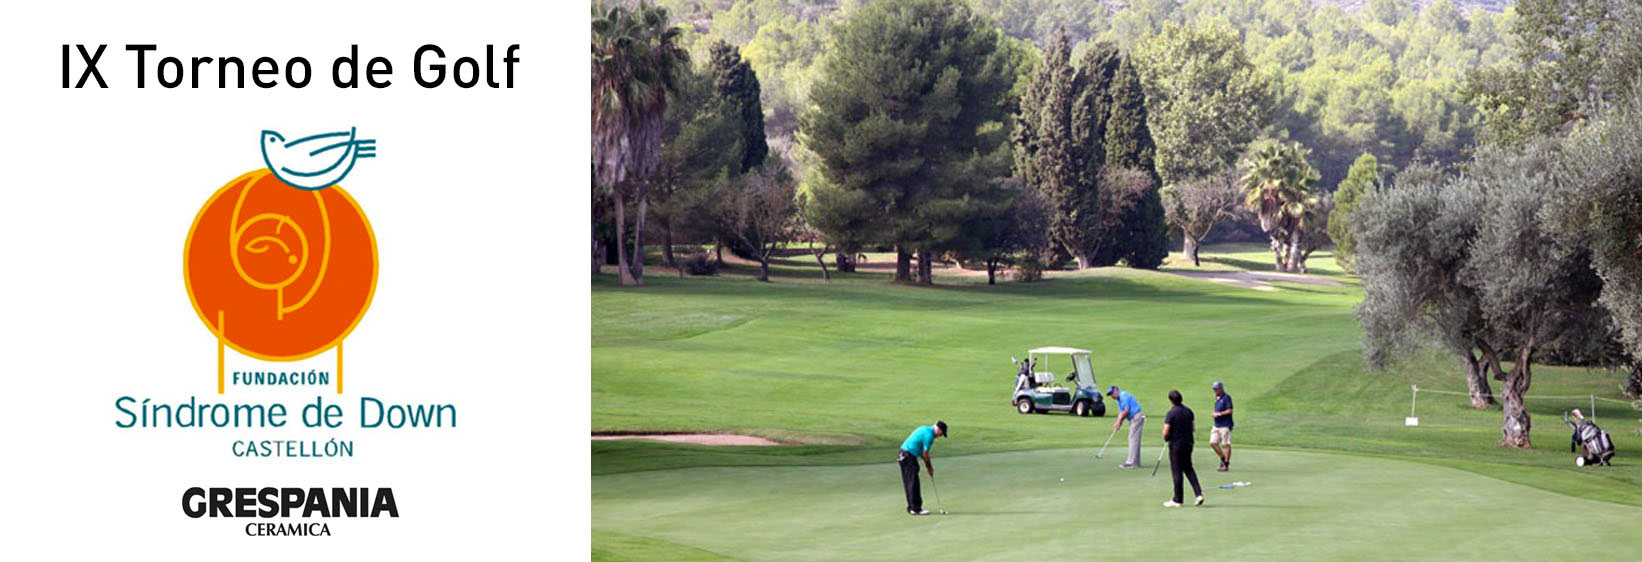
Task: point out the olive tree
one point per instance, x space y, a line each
1598 204
1470 261
1413 239
1537 295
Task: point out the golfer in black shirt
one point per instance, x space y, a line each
1178 426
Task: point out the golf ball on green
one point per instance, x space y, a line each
1063 480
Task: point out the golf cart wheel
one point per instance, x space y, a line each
1098 410
1024 405
1081 409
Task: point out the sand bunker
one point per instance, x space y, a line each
691 438
1256 280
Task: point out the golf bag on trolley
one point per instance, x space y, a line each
1598 447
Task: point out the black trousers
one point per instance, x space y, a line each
1180 463
909 480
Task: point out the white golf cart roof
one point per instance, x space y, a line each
1059 350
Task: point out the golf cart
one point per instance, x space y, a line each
1037 389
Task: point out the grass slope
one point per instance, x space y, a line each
851 365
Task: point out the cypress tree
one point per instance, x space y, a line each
1060 147
1361 182
736 85
1090 116
1143 240
1046 152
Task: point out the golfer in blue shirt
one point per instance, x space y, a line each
917 445
1129 409
1220 436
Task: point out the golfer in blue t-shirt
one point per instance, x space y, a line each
917 446
1220 436
1129 409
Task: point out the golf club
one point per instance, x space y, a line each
1108 442
938 503
1159 460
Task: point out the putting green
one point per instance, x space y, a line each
1012 506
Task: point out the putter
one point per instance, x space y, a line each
938 503
1159 460
1108 442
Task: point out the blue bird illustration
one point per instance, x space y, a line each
317 161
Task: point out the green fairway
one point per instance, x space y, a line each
1012 506
846 368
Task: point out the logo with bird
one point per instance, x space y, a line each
280 263
315 161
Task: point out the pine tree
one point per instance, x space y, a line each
897 113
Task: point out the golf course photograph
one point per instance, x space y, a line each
1141 280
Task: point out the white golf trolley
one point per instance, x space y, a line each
1038 390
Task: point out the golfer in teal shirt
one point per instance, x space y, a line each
917 445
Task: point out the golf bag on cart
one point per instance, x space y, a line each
1598 447
1023 378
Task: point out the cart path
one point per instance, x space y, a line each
1256 280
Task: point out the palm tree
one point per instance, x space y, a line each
636 60
1279 188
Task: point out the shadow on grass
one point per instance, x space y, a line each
1265 266
872 292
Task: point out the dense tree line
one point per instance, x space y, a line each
1381 76
686 142
1179 91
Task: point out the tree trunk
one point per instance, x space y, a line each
1189 248
667 244
822 262
844 260
1295 263
1086 260
638 236
718 251
625 273
903 265
598 251
1633 384
992 271
926 274
1476 379
764 267
1277 253
1514 433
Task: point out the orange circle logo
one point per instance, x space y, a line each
279 273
